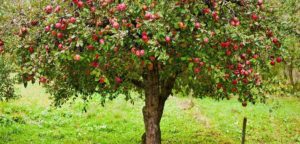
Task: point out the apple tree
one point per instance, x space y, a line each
155 47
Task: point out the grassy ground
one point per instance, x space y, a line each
31 119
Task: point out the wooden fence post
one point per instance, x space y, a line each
244 130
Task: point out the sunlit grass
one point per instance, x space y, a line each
31 119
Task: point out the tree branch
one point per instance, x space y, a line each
137 83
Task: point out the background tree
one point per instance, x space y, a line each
157 48
286 22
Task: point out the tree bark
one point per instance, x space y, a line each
291 69
156 94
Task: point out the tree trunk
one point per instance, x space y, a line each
156 94
291 69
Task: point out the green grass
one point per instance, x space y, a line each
31 119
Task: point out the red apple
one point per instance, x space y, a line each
43 80
197 70
275 40
279 59
57 9
48 9
260 2
118 80
47 28
197 25
72 20
60 35
116 25
228 52
243 56
77 57
80 4
254 17
272 62
58 25
101 80
31 49
121 7
206 10
168 39
234 82
205 40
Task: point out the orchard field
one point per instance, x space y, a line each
31 119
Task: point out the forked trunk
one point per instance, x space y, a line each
156 93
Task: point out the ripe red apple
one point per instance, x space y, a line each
60 46
48 9
201 63
90 47
72 20
80 4
279 59
205 40
47 28
254 17
101 41
43 80
197 25
235 47
272 62
243 56
101 80
148 16
142 52
58 25
60 35
95 64
121 7
255 56
215 16
93 9
145 38
225 44
197 70
248 62
234 82
118 80
206 10
269 33
245 81
63 27
228 52
168 39
235 21
77 57
275 40
57 9
31 49
116 25
196 60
